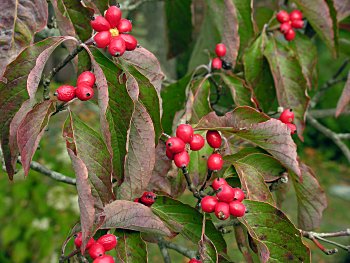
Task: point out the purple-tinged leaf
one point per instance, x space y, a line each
133 216
344 98
19 21
343 9
85 199
207 250
131 248
99 6
31 130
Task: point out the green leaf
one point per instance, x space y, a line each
278 239
207 251
179 31
201 103
100 6
131 248
187 221
311 199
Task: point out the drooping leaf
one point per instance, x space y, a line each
140 158
344 98
343 9
207 251
63 23
277 238
131 248
31 130
311 199
19 21
290 83
201 104
99 6
133 216
187 221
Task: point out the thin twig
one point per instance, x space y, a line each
326 113
182 250
190 185
210 173
164 251
127 6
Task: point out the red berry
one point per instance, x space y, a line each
102 39
137 200
216 63
130 41
290 35
208 203
214 139
108 241
225 193
113 15
287 116
78 241
84 92
296 15
220 50
217 183
222 210
96 250
285 27
238 194
184 132
215 162
65 93
99 23
291 127
124 26
86 78
104 259
175 145
194 260
182 159
237 209
298 23
148 198
117 46
169 154
197 142
282 16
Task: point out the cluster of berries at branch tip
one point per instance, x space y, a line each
218 62
113 32
84 90
287 117
228 200
147 199
289 22
97 249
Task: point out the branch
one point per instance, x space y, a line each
190 185
182 250
127 6
164 250
326 113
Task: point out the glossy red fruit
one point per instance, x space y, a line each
214 139
197 142
298 23
113 15
220 50
215 162
208 203
283 16
137 200
194 260
148 198
104 259
238 194
217 183
287 116
184 132
102 39
169 154
78 241
117 46
216 63
99 23
130 41
108 241
84 92
175 145
296 15
124 26
222 210
65 93
292 128
182 159
86 78
225 193
96 250
237 209
289 35
285 27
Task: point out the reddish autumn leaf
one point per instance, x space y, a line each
344 98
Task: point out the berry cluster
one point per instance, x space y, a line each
98 248
112 32
147 199
220 51
228 200
287 117
83 91
215 161
290 21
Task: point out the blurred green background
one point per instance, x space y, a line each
37 213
